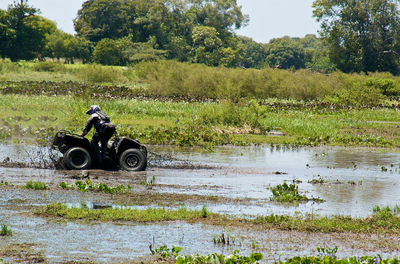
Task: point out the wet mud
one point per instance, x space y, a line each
228 180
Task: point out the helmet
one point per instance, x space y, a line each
93 109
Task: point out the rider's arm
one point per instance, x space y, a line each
88 126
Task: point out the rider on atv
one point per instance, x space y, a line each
104 131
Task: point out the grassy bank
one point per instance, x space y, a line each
382 221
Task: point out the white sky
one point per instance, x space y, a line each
268 18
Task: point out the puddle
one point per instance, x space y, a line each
354 181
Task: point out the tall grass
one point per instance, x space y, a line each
184 80
171 78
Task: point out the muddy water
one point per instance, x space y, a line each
354 181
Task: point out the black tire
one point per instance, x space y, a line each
132 160
77 158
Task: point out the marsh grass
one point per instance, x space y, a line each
134 215
36 185
382 221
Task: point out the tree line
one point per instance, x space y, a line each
356 35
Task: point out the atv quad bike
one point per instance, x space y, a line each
122 153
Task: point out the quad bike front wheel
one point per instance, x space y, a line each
77 158
132 160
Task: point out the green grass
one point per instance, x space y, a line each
134 215
36 185
204 124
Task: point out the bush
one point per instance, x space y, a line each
354 91
387 87
100 74
7 66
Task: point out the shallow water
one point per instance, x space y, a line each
354 179
354 182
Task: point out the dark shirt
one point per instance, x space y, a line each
96 119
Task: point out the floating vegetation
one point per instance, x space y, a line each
87 185
165 253
36 185
328 255
289 193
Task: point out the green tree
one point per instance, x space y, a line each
26 31
252 54
206 45
107 52
362 35
99 19
170 23
6 33
63 45
285 53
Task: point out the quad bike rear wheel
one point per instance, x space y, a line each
77 158
132 160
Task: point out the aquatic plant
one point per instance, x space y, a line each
328 255
165 253
328 251
289 194
36 185
224 239
5 231
149 184
87 185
